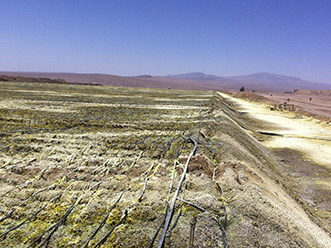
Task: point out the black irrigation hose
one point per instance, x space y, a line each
178 216
170 189
63 218
162 155
7 163
18 186
143 191
26 131
44 189
225 238
37 130
110 232
158 230
27 183
145 180
4 235
105 219
71 172
172 179
183 147
98 167
174 224
106 150
34 194
137 158
199 131
167 206
142 174
90 173
97 184
139 198
55 226
142 141
166 148
154 141
221 190
88 186
164 152
4 148
170 214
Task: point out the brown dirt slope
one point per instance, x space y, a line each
6 78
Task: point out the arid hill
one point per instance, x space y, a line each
6 78
313 92
139 81
257 81
190 81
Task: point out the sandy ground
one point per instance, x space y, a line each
308 135
319 105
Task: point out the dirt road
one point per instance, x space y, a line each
306 134
303 149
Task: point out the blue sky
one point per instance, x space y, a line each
127 38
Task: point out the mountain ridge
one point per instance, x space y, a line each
188 81
259 81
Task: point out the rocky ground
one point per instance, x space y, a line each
93 166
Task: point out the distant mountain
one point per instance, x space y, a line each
7 78
146 81
144 76
189 81
281 82
196 76
258 81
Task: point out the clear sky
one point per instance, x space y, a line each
135 37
